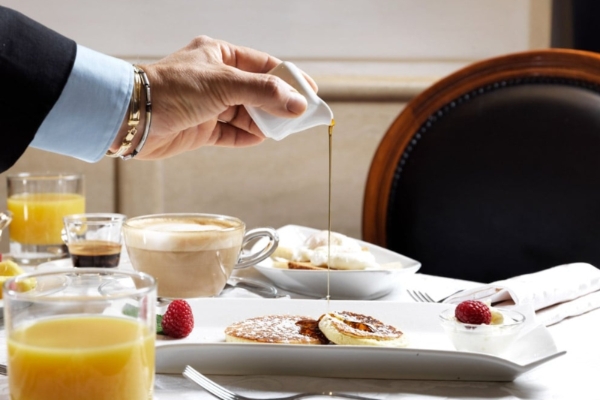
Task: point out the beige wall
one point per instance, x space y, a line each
273 184
368 57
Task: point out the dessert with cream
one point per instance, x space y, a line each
474 326
313 252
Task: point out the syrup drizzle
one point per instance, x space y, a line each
330 133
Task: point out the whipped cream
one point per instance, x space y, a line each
321 238
345 253
343 258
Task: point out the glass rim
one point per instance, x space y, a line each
30 296
242 225
95 218
46 175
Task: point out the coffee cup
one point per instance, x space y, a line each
191 254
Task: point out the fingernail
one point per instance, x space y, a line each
296 103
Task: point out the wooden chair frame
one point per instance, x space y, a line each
551 63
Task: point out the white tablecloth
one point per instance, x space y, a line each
572 376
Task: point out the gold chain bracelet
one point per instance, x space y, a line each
140 79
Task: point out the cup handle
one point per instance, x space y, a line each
247 260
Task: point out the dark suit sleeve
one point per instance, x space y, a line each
35 63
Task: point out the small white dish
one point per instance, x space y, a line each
343 285
487 339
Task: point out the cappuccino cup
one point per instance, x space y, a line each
193 255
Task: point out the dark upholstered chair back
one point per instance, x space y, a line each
495 170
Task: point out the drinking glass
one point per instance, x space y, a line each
94 239
83 333
38 202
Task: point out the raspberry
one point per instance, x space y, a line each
178 321
473 312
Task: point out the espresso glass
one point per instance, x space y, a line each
94 239
193 255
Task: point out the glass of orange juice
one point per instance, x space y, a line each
38 203
83 333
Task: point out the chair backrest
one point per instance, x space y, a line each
494 171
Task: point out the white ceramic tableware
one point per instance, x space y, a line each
429 355
343 285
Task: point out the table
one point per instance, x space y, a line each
572 376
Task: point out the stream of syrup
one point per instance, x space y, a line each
330 133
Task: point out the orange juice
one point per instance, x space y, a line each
37 217
81 357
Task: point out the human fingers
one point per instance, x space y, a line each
238 116
264 91
251 60
228 135
246 58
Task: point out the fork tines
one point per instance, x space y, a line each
420 297
208 385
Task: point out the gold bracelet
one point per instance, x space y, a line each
148 120
134 116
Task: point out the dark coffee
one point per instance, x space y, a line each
95 253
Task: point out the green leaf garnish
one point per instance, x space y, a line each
133 311
159 329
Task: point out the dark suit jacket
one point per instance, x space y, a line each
35 63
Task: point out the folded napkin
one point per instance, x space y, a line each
555 293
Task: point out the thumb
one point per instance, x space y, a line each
267 92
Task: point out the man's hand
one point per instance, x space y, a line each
198 93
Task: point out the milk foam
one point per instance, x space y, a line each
183 234
182 227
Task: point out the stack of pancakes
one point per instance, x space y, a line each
342 328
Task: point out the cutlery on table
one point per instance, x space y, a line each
256 287
422 297
3 370
224 394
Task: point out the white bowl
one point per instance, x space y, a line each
343 285
489 339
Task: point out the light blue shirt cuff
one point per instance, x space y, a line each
88 114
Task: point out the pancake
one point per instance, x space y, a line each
348 328
306 265
283 329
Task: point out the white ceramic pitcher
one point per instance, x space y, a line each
317 112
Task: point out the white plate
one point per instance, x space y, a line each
430 354
343 285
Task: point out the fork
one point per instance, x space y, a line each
422 297
3 370
224 394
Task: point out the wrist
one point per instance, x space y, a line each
135 127
123 130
